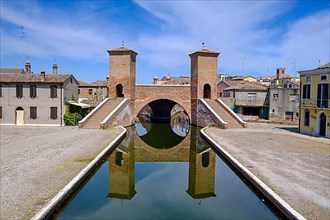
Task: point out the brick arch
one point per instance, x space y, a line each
139 104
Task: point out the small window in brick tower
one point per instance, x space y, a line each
119 90
207 91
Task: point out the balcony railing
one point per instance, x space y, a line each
250 102
315 103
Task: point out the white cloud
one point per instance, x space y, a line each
55 34
239 30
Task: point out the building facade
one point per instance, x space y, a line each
92 93
35 99
249 99
314 102
284 102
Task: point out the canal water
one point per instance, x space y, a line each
165 171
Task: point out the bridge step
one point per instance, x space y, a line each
223 113
104 110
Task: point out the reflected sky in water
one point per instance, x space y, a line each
139 181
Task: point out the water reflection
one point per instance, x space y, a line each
187 181
122 165
164 135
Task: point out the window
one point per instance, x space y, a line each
0 112
71 80
53 92
275 97
53 113
306 118
306 91
79 91
19 91
33 112
307 78
0 90
33 91
322 95
323 77
252 94
90 91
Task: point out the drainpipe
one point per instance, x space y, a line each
300 107
61 104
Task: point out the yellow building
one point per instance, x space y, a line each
314 115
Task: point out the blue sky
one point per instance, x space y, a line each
253 37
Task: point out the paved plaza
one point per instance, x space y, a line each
37 162
295 166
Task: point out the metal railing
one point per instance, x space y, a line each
250 102
315 103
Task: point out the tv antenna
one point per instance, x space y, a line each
294 64
22 35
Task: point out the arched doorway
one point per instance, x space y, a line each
19 116
119 90
207 91
322 124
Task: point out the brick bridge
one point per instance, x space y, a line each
126 99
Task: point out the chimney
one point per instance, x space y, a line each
42 76
27 67
55 69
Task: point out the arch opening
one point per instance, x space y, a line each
162 123
207 91
119 91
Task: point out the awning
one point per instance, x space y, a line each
82 105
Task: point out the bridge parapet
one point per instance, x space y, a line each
148 93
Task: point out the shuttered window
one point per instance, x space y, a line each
33 91
33 112
0 112
307 91
53 112
53 92
19 91
0 90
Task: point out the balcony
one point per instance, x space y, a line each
250 102
315 103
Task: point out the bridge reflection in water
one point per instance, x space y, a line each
181 179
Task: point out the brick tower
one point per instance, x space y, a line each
122 73
204 68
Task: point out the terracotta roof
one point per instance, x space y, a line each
325 66
35 78
11 70
97 83
205 51
121 49
82 83
100 83
244 85
177 80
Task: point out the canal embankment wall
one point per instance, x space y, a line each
293 165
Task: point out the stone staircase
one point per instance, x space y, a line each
225 114
94 119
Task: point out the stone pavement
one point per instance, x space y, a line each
295 166
37 162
